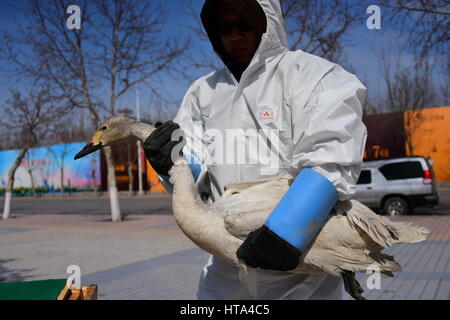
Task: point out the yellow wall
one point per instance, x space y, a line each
431 138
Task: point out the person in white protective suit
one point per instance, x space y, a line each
306 110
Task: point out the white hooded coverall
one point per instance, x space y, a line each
313 106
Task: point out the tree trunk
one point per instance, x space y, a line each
29 169
93 173
131 178
62 180
9 188
409 144
140 166
95 182
130 171
411 126
33 187
113 196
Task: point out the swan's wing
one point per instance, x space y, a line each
240 224
245 208
382 230
259 197
340 259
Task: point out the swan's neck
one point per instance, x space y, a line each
203 227
141 130
184 190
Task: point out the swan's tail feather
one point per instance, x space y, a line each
385 265
382 230
335 263
409 233
377 262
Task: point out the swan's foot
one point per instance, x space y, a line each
352 286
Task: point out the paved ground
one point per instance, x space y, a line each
157 204
152 204
143 257
147 257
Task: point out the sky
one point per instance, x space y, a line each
361 54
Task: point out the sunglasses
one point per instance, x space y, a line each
225 28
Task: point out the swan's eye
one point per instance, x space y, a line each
104 128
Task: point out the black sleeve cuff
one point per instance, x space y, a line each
264 249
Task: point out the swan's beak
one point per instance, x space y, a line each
93 145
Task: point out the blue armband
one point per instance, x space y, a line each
304 209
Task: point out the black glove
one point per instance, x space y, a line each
266 250
158 147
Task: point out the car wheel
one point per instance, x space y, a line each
395 206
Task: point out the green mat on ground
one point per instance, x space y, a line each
32 290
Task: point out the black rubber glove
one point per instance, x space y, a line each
266 250
158 147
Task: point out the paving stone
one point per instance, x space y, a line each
148 257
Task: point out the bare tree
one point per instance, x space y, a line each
424 22
30 119
424 26
320 27
409 90
117 47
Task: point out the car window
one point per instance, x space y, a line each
365 177
402 170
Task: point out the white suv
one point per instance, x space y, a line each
397 185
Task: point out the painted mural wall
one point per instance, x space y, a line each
46 163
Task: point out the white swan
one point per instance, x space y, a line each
351 240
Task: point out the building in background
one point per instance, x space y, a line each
385 136
423 132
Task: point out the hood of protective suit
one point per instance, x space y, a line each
266 18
